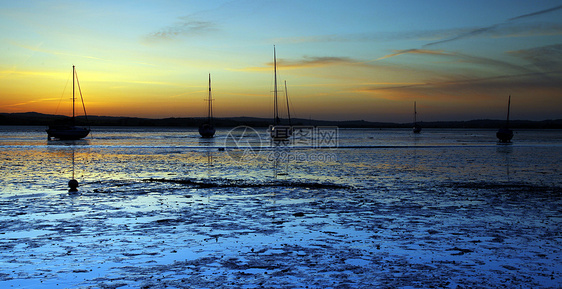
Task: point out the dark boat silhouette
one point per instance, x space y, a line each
70 131
207 129
504 134
277 131
417 128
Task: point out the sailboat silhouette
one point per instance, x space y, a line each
417 128
277 131
70 132
207 129
504 134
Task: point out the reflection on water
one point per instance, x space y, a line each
505 149
68 147
56 142
119 154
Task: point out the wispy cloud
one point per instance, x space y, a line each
536 13
486 62
315 61
369 37
494 63
504 30
306 62
468 34
184 27
508 28
438 36
459 86
546 58
42 50
153 82
30 102
415 51
5 73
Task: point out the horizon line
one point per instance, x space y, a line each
266 118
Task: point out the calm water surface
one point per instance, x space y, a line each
355 156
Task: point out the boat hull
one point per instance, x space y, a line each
207 130
66 132
417 129
504 135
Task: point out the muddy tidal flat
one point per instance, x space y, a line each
379 209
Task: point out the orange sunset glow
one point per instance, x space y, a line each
353 60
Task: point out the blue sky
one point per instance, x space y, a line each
342 59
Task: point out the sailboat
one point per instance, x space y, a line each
70 131
277 131
417 128
504 134
207 129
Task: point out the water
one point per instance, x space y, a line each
162 207
127 154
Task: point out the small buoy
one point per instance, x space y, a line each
73 184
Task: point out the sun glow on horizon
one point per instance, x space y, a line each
153 61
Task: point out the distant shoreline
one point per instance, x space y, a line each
33 118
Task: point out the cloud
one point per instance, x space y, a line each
185 27
415 51
30 102
495 63
536 13
315 61
456 86
369 37
153 83
547 58
485 62
508 28
439 36
306 62
468 34
39 49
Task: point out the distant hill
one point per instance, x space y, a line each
34 118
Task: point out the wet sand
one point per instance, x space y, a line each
162 234
173 217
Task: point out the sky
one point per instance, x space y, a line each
342 60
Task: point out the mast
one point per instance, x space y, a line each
415 114
207 129
210 108
73 163
287 98
275 107
508 107
73 98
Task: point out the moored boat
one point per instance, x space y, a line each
70 131
207 129
417 128
279 132
505 134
